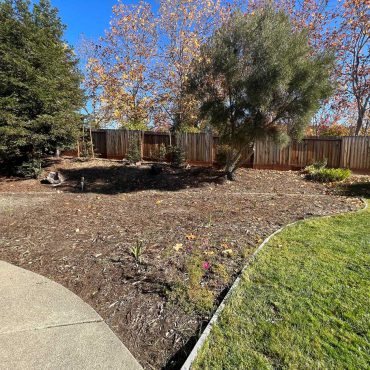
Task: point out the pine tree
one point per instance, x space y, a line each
40 94
256 78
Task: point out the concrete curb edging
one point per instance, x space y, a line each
193 354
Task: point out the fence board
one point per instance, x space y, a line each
355 152
100 143
153 142
198 147
349 152
298 154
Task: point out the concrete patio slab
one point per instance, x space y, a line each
45 326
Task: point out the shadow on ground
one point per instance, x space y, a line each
358 189
125 179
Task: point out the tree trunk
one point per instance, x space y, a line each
231 167
359 124
234 160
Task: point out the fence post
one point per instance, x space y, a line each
78 148
142 144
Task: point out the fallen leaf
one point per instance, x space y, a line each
177 247
191 237
228 251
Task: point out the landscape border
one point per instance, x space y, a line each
194 352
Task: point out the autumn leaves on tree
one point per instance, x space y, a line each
351 40
138 70
136 74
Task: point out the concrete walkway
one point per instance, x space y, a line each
45 326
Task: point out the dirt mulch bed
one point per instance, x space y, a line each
83 240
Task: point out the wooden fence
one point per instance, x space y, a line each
201 148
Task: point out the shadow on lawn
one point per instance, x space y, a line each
125 179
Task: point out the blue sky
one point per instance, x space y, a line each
88 17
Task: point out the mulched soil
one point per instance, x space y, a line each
83 239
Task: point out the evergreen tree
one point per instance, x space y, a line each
40 94
258 78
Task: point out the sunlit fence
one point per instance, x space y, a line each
201 148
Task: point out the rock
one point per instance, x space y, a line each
53 178
115 259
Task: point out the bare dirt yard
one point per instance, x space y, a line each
196 231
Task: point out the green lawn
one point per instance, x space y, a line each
303 304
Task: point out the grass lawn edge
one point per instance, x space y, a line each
205 334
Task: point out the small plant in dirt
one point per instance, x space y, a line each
221 272
30 169
162 153
192 294
209 223
319 172
177 156
137 251
134 152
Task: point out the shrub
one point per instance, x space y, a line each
162 153
222 154
317 165
177 156
30 169
134 152
323 174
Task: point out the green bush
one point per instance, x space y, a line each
324 174
317 165
134 152
222 154
162 153
30 169
177 156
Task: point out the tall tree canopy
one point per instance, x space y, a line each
180 28
40 93
344 27
257 78
139 68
